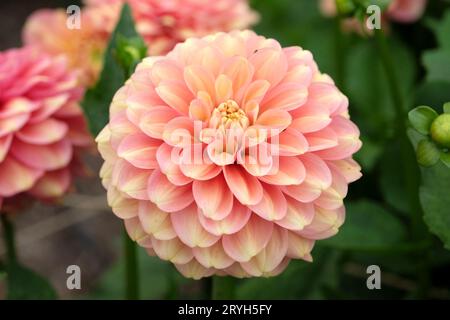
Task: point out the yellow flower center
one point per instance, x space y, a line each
227 114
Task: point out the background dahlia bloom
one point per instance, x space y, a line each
47 30
402 11
42 128
163 24
231 212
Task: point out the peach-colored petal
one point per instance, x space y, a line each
194 270
246 188
213 256
249 241
213 197
292 143
232 223
156 222
298 215
16 177
122 206
189 229
288 171
167 196
332 197
139 150
299 248
271 256
130 180
5 144
273 204
325 224
169 165
52 184
172 250
47 157
154 120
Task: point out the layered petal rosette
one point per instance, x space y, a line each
163 24
42 128
229 155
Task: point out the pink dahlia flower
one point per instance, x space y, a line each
47 30
406 11
402 11
165 23
229 155
41 125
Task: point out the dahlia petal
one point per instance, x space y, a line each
298 215
232 223
179 132
78 131
155 221
198 169
332 197
349 168
288 171
52 184
348 140
299 248
104 144
120 127
213 197
153 121
13 123
172 250
223 88
287 96
292 143
47 157
256 91
249 241
198 79
257 160
136 233
130 180
175 95
246 188
274 119
235 270
270 64
16 177
213 256
239 71
5 144
139 150
49 107
325 224
310 118
188 228
45 132
325 138
167 196
273 205
269 257
17 106
194 270
164 70
122 206
167 157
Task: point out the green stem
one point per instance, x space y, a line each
223 288
408 161
131 269
8 233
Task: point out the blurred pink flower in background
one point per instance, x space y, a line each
402 11
162 24
42 128
230 213
46 29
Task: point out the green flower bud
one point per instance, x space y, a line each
440 130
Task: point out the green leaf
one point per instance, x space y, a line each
435 200
441 29
25 284
368 227
97 99
427 153
447 107
421 118
445 158
437 63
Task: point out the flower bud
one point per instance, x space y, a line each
440 130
